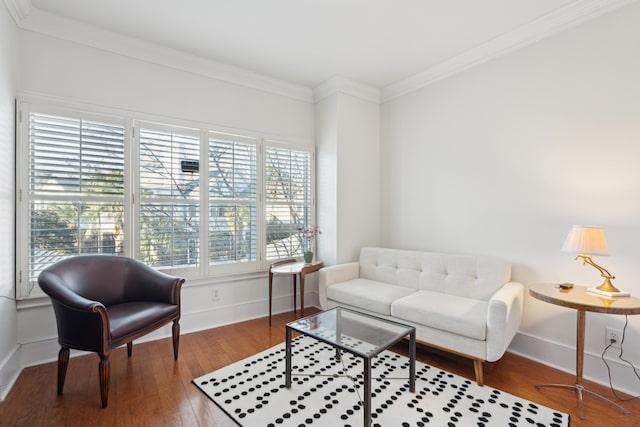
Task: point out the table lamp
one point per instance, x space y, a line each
586 241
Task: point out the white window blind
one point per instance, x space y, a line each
192 201
76 188
232 199
169 218
288 197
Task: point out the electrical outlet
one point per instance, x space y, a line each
215 295
613 334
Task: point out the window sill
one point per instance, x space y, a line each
40 300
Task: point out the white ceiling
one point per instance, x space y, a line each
307 42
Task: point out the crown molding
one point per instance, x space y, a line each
39 21
19 9
32 19
346 86
562 19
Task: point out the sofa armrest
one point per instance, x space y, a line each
335 274
503 318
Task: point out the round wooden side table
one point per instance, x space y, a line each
579 299
293 268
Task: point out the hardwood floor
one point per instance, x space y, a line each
150 389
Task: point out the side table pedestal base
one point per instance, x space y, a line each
579 388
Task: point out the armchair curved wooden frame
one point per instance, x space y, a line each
102 302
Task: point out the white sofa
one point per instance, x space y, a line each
463 304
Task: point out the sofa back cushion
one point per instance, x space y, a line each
467 276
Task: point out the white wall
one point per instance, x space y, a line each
83 74
78 72
8 316
503 158
326 125
348 141
358 176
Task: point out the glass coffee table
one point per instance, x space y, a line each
340 328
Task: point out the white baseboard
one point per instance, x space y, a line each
9 371
563 357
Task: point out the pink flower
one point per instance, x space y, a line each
310 233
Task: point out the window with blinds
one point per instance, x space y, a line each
169 195
76 188
232 199
192 201
288 200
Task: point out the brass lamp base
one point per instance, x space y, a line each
607 286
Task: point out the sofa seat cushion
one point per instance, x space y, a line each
367 294
131 317
451 313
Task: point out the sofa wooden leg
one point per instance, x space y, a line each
63 362
175 330
104 370
129 348
477 367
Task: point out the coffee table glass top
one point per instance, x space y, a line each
349 330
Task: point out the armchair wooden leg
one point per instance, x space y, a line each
104 370
175 330
129 348
477 367
63 362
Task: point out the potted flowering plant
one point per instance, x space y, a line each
309 234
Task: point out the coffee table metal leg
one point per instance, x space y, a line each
367 391
287 369
412 362
338 331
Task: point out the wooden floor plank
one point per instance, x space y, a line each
151 389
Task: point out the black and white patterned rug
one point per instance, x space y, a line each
327 393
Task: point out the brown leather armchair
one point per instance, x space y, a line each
102 302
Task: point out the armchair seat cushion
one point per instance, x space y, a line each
450 313
130 318
368 294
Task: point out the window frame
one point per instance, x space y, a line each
25 288
257 264
204 272
139 199
266 202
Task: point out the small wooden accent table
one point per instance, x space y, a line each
294 268
582 301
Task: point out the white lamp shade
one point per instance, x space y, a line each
588 240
